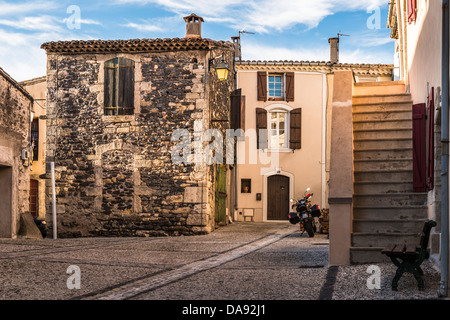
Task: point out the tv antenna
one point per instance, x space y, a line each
342 35
243 31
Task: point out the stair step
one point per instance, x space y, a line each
382 154
381 98
390 212
382 144
382 115
382 125
382 134
383 175
392 199
381 240
383 164
387 225
367 255
395 106
379 88
383 187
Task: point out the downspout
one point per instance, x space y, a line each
443 289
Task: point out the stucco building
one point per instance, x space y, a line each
417 27
292 100
112 110
15 114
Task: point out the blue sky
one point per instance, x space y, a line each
283 29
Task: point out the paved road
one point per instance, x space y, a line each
241 261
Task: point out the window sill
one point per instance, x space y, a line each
119 118
282 150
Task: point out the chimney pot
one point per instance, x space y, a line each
334 49
193 26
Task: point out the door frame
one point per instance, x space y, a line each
265 186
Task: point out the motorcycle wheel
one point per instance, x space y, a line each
309 229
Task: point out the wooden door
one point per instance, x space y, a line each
34 198
221 194
419 147
277 197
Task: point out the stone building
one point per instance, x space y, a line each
37 88
15 115
112 110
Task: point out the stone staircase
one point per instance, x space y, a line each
385 209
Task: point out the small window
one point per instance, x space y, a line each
35 139
246 185
276 86
278 136
119 87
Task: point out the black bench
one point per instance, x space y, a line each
408 258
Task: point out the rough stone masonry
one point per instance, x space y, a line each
114 174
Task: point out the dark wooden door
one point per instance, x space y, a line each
277 197
419 147
34 198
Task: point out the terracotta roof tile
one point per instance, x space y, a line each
133 45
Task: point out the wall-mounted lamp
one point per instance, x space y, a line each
221 68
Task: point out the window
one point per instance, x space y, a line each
278 135
279 127
275 86
35 139
246 185
119 87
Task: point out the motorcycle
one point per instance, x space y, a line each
305 213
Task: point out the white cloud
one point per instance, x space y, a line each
41 23
8 9
252 51
142 27
263 15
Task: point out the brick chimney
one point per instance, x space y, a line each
193 26
334 49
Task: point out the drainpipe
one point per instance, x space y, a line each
443 289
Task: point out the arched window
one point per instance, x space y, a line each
119 87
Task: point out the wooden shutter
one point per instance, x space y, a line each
411 10
262 86
109 90
295 140
237 110
419 147
289 86
430 166
126 89
261 124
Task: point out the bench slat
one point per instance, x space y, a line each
400 248
410 249
388 249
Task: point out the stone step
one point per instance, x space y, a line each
383 164
387 226
379 88
383 187
382 125
382 116
381 240
383 175
367 255
382 107
375 134
381 98
392 199
390 212
382 144
382 154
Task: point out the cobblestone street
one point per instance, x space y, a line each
241 261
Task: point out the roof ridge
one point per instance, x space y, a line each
15 84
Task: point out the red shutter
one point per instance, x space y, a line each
289 86
262 86
419 147
411 10
430 167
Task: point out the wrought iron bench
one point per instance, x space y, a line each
408 258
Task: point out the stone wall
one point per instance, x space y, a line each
114 174
15 108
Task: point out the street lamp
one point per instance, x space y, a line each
222 71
